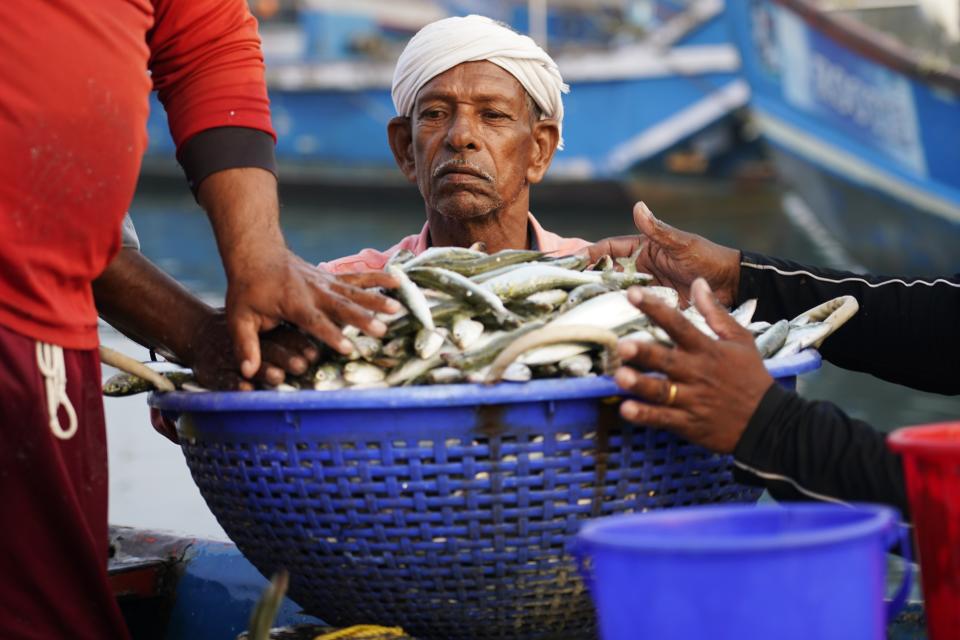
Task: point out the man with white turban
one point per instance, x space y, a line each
479 117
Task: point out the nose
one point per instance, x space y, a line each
462 134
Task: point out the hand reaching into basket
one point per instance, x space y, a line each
674 257
711 387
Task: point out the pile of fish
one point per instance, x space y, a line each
516 315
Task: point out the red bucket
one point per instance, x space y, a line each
931 462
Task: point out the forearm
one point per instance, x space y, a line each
148 306
802 450
905 331
244 211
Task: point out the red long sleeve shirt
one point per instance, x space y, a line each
74 82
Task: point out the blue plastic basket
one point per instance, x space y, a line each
447 510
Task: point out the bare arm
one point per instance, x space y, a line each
147 305
267 283
153 309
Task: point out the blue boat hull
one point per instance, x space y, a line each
871 148
628 109
611 128
878 233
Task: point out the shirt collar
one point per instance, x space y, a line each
540 239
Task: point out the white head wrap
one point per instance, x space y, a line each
444 44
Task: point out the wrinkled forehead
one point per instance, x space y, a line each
477 80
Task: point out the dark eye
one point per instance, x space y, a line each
431 114
495 115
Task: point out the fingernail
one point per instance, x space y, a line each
635 295
246 368
626 349
630 409
311 354
344 346
625 377
297 365
393 306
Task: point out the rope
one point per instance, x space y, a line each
362 631
54 371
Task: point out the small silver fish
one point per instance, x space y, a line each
397 348
362 373
442 253
412 297
526 281
366 347
605 311
413 369
622 279
668 296
583 293
641 335
465 331
445 375
127 384
328 377
515 372
576 366
428 342
770 341
400 257
744 313
758 327
550 297
799 338
463 289
603 264
487 349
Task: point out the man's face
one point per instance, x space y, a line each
472 139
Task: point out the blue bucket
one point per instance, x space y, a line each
803 572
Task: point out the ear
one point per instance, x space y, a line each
400 137
546 134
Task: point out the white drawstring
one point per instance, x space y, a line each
51 365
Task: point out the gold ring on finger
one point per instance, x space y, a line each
672 394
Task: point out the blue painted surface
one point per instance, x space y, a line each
897 128
217 594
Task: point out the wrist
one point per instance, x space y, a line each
243 209
729 281
200 320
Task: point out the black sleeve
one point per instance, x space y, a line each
222 148
907 330
801 450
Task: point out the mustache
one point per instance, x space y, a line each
459 165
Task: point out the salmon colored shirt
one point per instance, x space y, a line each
373 260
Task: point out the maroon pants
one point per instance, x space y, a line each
53 503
